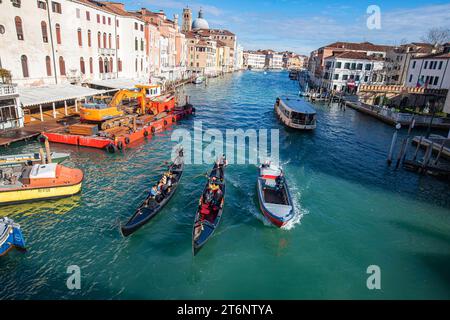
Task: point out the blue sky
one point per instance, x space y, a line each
303 26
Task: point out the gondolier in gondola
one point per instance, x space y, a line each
221 163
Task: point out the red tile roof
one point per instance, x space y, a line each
364 46
354 56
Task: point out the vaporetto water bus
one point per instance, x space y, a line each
295 113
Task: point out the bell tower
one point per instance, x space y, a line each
187 20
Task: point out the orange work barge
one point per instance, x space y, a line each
165 113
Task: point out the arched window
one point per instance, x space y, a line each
136 65
58 33
62 66
111 65
117 42
100 65
82 68
142 64
104 40
80 39
48 66
89 38
110 40
19 28
44 31
91 65
24 61
136 44
119 65
142 45
99 39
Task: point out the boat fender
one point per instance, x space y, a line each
145 133
127 140
120 145
111 148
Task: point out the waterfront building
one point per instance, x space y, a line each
239 58
71 41
345 71
274 60
430 71
11 113
201 54
255 60
292 60
317 57
398 60
187 20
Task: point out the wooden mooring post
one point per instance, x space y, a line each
393 142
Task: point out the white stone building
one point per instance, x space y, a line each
347 70
11 114
62 41
239 58
256 60
431 71
274 60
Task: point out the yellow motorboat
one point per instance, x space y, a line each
38 182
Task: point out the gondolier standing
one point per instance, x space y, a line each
221 163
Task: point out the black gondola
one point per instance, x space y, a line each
209 212
153 204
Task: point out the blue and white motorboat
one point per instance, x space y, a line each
10 236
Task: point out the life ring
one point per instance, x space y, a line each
111 148
127 140
120 145
145 133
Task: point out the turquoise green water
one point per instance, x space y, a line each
353 212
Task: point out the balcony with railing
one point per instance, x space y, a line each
8 89
107 51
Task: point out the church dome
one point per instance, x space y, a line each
200 22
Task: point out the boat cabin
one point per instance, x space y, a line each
296 113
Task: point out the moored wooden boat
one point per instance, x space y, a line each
153 204
10 236
295 113
38 182
210 207
31 158
273 194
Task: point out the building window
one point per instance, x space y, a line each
24 62
56 7
135 65
117 23
62 66
345 77
338 65
109 21
100 65
19 28
48 66
426 65
119 65
336 76
89 38
347 65
15 3
142 27
410 77
41 5
142 64
99 39
353 67
58 33
359 66
142 45
44 32
98 18
117 42
78 13
91 65
440 65
135 26
82 68
136 44
110 40
436 80
104 40
2 29
358 77
368 67
104 20
80 39
111 65
414 65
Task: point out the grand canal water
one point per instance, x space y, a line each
353 212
